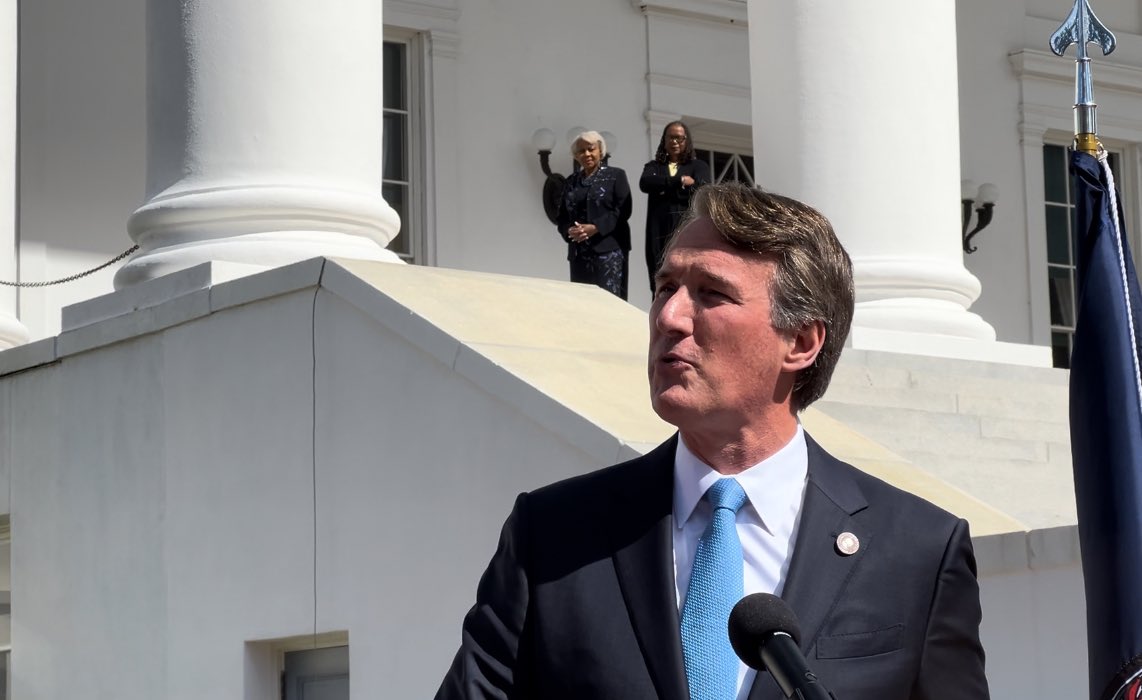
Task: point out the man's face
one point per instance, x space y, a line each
714 353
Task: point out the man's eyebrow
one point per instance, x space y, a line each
717 278
711 275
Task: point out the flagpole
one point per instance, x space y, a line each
1082 27
1105 392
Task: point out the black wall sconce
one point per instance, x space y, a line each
543 140
983 201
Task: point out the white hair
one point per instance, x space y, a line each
591 137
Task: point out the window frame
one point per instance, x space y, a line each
1046 117
413 221
1123 156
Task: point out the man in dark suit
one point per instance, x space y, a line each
617 584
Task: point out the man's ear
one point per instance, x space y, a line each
807 343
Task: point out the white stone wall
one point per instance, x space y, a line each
193 476
176 506
1034 633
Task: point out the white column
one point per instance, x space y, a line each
12 332
856 112
264 135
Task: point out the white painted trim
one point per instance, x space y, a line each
1030 63
714 141
716 11
709 87
656 122
1032 139
419 15
1039 68
444 44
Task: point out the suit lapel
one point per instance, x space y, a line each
818 572
644 564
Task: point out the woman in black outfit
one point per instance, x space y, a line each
670 180
593 214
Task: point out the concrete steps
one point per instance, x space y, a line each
999 432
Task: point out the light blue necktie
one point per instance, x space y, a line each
715 586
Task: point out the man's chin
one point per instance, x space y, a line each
670 408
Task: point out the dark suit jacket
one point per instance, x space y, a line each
579 599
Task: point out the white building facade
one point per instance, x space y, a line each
468 85
258 134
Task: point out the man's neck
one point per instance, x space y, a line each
732 452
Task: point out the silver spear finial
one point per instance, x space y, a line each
1081 28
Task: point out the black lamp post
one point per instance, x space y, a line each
544 140
983 201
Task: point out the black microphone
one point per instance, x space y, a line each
765 634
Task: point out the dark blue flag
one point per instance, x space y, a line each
1106 436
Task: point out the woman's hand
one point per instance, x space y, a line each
581 232
687 181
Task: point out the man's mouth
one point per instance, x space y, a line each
674 360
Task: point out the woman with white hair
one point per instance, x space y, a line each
593 213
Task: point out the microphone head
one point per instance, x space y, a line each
756 618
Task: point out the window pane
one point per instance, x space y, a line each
397 197
1058 242
747 166
395 142
1061 350
1062 301
707 156
394 75
1055 173
742 175
721 163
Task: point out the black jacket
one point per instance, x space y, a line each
668 200
579 599
603 199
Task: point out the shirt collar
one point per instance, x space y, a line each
769 484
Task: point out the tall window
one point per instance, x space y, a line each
726 166
1062 249
402 157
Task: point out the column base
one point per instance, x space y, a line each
959 348
12 332
918 297
257 251
922 316
263 226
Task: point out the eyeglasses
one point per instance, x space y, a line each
676 139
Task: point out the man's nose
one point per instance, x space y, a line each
675 315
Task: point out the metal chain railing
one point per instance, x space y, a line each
72 278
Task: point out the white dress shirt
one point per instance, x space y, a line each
767 523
